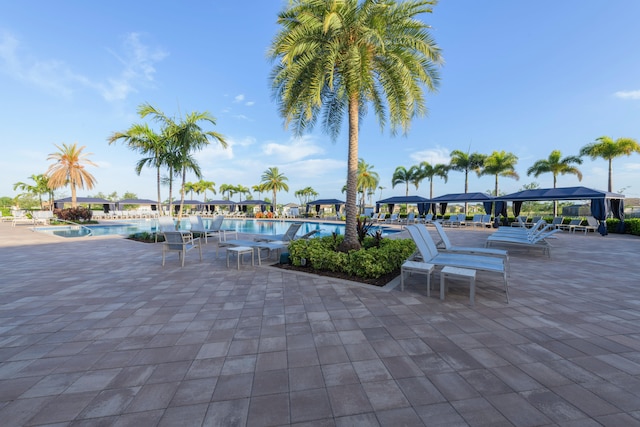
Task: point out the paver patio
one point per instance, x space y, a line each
93 331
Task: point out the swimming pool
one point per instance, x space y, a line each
249 226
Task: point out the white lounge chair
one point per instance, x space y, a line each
571 225
197 227
445 245
410 219
520 221
428 218
181 243
42 217
289 235
430 255
536 239
20 217
557 221
592 225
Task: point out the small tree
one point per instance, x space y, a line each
69 169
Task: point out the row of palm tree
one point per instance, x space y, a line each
173 147
201 186
501 163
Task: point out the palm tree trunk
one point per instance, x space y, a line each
496 185
466 190
184 180
351 232
74 198
555 202
159 197
275 206
610 176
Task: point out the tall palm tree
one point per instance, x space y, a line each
500 163
229 189
154 146
190 187
605 147
241 189
427 170
305 195
207 186
186 137
465 162
555 165
258 188
274 181
333 58
39 187
406 176
368 179
69 169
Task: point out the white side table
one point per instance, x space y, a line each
240 251
416 267
459 272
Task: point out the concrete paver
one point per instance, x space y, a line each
95 331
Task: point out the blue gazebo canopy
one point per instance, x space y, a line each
325 202
566 193
603 203
420 201
462 198
483 198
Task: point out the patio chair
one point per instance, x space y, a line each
410 219
180 242
445 245
536 239
197 227
453 221
570 226
21 217
289 235
430 255
42 217
520 221
428 218
215 228
165 223
557 221
592 225
534 220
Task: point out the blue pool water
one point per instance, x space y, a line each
250 226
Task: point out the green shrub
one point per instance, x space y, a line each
376 258
631 226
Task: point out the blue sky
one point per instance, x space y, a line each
525 77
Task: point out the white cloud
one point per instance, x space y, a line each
250 103
213 153
238 98
139 67
433 156
58 77
317 168
296 149
51 75
628 94
632 166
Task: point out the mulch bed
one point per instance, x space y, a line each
380 281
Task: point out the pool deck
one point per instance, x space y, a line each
94 332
